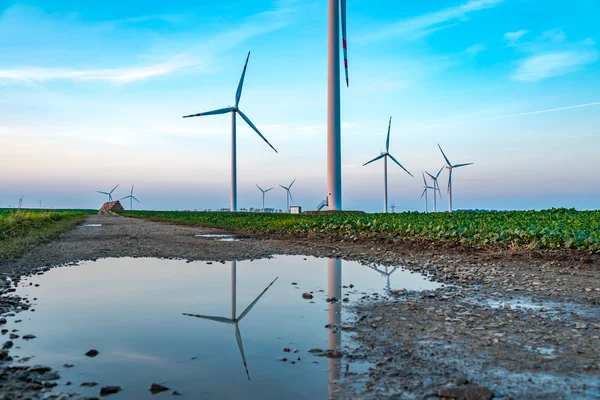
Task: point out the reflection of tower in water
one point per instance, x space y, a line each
334 291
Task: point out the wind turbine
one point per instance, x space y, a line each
109 193
234 111
131 197
385 156
387 273
288 195
263 194
233 320
436 186
337 11
425 190
450 167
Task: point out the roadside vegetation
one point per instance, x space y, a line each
555 229
22 228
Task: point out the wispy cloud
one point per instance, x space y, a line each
116 75
429 23
512 37
552 64
475 49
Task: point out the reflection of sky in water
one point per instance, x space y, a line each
93 225
219 237
131 311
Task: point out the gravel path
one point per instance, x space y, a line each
518 324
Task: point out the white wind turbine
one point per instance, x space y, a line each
288 195
385 156
234 111
109 193
233 320
263 195
131 197
436 187
450 167
337 11
425 190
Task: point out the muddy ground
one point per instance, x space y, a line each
516 324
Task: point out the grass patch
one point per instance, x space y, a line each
558 229
20 229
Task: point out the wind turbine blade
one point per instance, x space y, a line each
461 165
268 190
344 38
396 161
255 129
102 192
238 338
132 190
133 197
217 319
446 158
247 310
259 188
289 187
214 112
439 172
424 181
387 142
423 194
290 193
375 159
432 177
114 189
123 198
283 187
238 94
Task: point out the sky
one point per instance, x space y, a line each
92 95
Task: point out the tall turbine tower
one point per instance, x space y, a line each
235 320
436 187
288 195
337 11
385 156
425 190
131 197
450 167
263 195
234 111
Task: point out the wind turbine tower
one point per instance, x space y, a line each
425 190
288 196
436 187
131 197
234 111
337 12
385 156
450 167
263 195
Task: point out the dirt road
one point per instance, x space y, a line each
519 324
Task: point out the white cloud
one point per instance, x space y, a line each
555 35
116 75
475 49
512 37
426 24
552 64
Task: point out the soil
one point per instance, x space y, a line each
515 324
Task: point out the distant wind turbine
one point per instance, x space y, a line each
131 197
425 190
288 196
337 12
109 193
385 156
450 167
233 320
436 186
234 111
263 194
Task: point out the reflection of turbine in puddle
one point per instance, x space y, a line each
334 290
233 320
385 273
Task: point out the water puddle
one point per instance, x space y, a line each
219 237
206 329
93 225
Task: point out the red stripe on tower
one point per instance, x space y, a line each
344 44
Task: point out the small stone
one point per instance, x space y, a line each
50 376
40 369
176 393
3 355
507 306
2 321
467 393
68 365
7 345
294 283
107 390
287 350
282 359
307 296
28 337
92 353
157 388
345 299
88 384
14 336
68 383
314 351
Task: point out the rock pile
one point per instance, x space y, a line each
112 206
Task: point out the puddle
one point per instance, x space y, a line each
93 225
219 237
550 308
243 315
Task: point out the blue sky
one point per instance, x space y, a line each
92 94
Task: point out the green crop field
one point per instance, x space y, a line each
22 228
565 229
